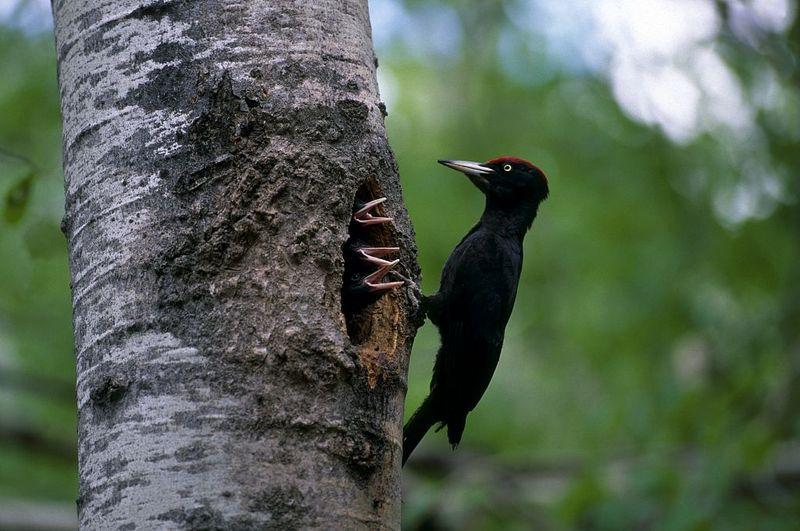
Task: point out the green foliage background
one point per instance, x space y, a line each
651 373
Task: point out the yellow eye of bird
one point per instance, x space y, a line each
507 167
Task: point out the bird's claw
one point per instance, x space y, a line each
417 299
364 216
413 286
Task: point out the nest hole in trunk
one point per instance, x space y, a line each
372 318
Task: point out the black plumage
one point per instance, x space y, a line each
476 295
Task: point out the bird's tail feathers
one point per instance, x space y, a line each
455 429
417 426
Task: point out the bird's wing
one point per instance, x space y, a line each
477 308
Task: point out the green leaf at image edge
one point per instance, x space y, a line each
16 199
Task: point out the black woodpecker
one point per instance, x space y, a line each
476 294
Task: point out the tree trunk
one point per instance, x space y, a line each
213 151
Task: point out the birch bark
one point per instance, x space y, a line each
213 150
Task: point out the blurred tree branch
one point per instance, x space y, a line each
34 441
27 515
515 486
16 156
43 386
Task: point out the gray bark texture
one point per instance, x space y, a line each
213 151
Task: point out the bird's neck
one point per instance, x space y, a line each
510 221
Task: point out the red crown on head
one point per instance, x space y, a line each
515 160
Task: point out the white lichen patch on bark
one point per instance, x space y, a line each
212 153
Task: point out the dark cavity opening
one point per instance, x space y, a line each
358 304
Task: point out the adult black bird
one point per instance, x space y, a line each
476 294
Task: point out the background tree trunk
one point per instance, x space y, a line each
212 153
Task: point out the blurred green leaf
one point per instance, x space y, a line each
17 198
44 239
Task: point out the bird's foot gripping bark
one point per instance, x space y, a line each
419 302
